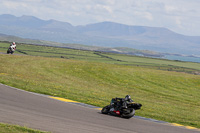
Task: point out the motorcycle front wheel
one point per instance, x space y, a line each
8 51
105 110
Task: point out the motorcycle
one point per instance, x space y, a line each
11 49
122 112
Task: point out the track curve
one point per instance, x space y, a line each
43 113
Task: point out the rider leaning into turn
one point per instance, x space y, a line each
121 102
13 45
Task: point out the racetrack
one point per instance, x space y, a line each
43 113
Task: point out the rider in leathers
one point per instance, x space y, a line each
13 46
121 102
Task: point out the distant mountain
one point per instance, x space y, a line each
107 34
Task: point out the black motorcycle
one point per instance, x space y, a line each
122 112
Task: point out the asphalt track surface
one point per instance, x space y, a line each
41 112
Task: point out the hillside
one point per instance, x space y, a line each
105 57
121 50
93 78
106 34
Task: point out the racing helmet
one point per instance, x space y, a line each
13 43
128 97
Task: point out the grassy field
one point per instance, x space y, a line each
6 128
111 58
94 78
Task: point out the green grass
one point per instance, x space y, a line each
7 128
166 95
111 58
157 62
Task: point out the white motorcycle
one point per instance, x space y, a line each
11 49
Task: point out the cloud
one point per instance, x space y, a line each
146 15
178 15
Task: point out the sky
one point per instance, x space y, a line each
181 16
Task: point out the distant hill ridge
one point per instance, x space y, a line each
107 34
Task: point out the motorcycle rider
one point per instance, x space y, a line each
127 100
121 102
13 46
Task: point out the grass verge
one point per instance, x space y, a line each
7 128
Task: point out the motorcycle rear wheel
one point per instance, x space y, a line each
128 116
